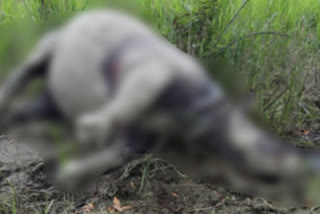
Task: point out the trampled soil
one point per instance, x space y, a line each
148 185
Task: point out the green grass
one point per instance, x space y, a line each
282 71
36 10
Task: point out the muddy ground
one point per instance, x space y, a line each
148 185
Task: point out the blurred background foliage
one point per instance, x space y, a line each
271 45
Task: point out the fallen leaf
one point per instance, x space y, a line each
87 208
178 210
175 195
117 204
116 207
116 201
127 207
132 185
110 209
304 132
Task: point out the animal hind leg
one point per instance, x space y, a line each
16 81
34 66
40 108
135 96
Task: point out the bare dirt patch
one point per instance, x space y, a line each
148 185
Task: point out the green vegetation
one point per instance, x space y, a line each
273 44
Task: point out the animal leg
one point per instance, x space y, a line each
15 82
34 66
40 108
77 172
136 95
